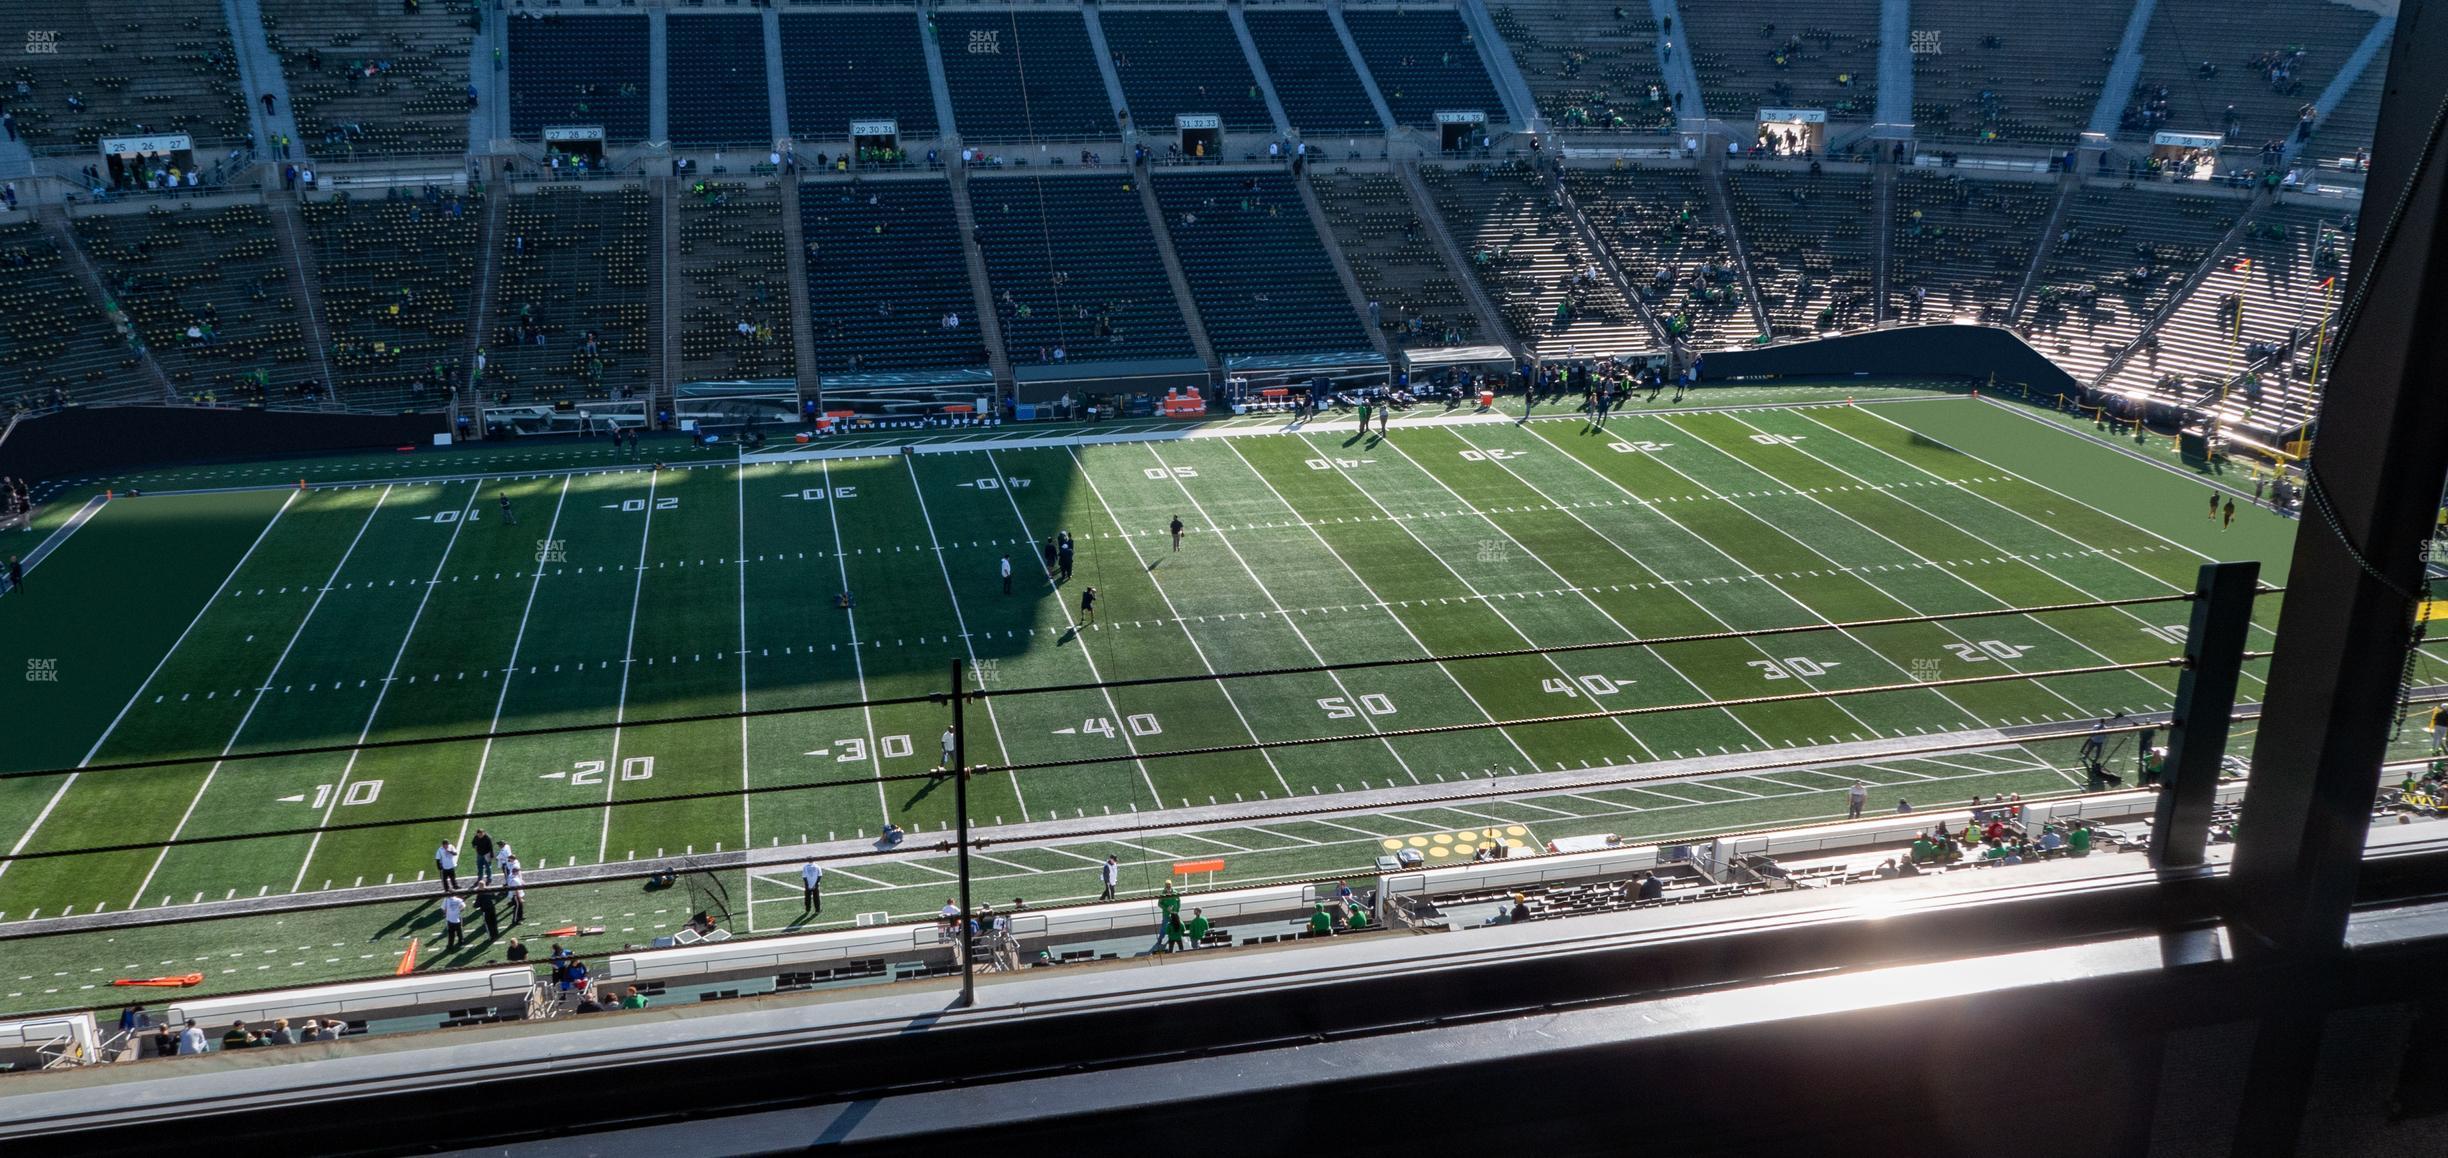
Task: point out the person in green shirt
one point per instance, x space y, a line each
1320 923
1168 901
1198 928
2080 841
1359 918
1923 851
633 999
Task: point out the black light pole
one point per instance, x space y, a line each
960 822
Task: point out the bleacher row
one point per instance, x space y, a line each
375 80
1076 277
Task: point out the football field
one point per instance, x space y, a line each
601 603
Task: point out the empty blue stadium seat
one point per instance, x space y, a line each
1424 63
839 67
884 269
716 69
1072 266
579 70
1261 276
1023 76
1184 62
1313 77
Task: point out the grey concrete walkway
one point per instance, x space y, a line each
1675 65
1895 76
259 72
2124 71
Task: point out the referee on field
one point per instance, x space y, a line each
811 880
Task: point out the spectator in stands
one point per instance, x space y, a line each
166 1041
279 1034
1903 805
191 1039
633 999
1650 888
1197 927
1321 924
240 1037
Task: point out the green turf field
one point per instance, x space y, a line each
204 625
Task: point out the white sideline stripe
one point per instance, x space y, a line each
90 753
59 538
620 710
383 689
257 701
1170 611
960 619
510 672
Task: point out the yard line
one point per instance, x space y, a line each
258 699
1620 723
70 780
1654 573
1187 635
2156 690
960 619
383 689
1009 864
740 564
1620 549
858 657
510 670
620 709
1484 714
2018 513
1285 835
1268 590
1947 627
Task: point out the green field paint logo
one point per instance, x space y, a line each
1925 669
42 671
1492 550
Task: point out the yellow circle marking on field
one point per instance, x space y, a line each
1440 851
1465 846
1516 830
1391 843
1419 842
1442 838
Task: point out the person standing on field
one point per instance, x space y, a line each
446 858
508 516
1088 598
1111 874
811 880
1007 574
1177 532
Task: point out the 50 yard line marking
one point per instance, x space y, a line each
1348 569
1269 592
258 699
510 669
70 780
383 689
620 710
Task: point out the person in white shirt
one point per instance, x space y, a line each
947 750
811 879
446 858
454 911
191 1040
1111 873
1007 574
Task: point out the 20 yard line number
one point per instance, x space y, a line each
587 773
